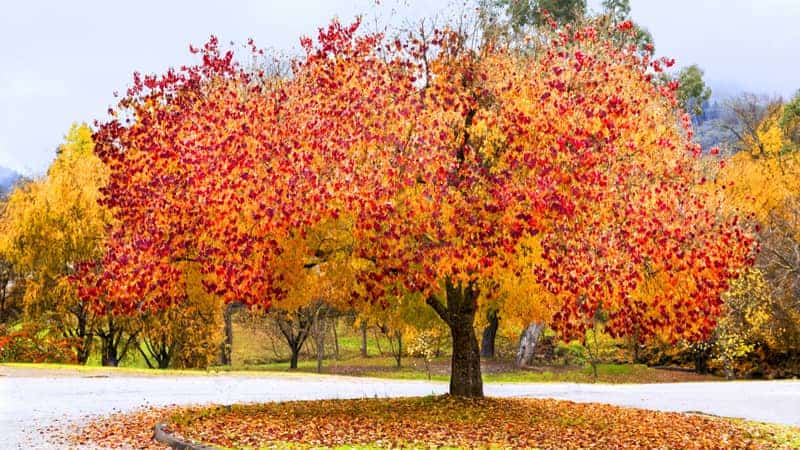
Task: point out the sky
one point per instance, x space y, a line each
62 61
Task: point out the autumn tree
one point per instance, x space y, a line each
752 123
790 123
461 226
517 297
761 184
10 286
317 265
49 226
617 12
185 335
444 153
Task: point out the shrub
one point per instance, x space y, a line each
30 342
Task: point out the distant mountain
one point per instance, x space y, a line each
7 179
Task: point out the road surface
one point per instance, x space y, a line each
30 403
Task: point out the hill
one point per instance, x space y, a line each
7 179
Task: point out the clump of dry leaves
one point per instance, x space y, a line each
427 422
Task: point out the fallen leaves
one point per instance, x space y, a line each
428 422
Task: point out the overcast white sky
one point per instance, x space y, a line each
62 60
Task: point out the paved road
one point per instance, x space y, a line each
29 403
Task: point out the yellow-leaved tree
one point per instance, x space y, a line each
761 329
48 226
184 335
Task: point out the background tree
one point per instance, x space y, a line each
185 335
751 121
522 302
692 90
790 123
619 12
10 291
761 184
524 13
49 226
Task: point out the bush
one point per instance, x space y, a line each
31 342
571 354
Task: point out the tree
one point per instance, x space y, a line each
523 13
692 91
490 334
762 321
790 122
618 12
318 262
516 294
443 155
185 335
746 313
751 121
459 230
49 226
10 307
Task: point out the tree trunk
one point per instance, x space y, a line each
459 314
319 340
85 348
108 352
335 323
226 348
527 344
399 354
465 378
295 357
83 352
701 362
83 332
295 341
364 339
489 335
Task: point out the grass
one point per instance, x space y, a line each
253 353
101 369
784 436
609 373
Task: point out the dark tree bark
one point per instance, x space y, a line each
701 357
489 335
459 315
295 356
296 330
82 331
395 350
636 347
399 355
159 351
115 341
226 348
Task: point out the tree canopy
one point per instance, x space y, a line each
444 158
